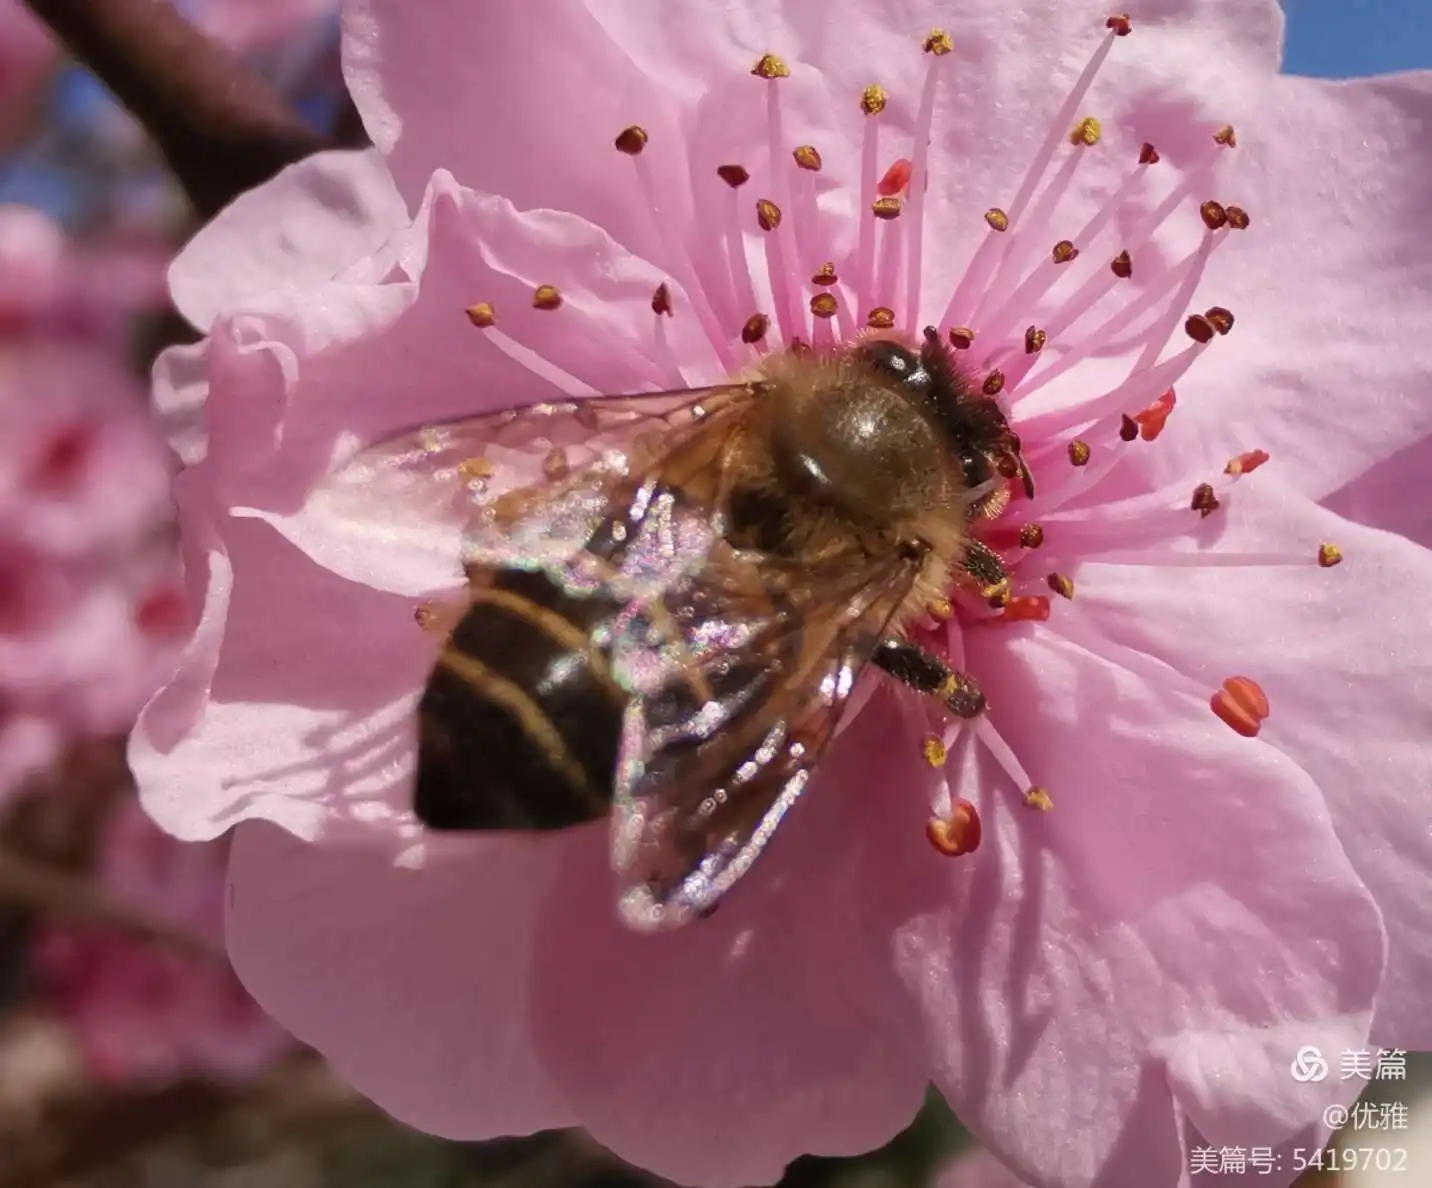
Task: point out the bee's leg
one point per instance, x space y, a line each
927 673
983 564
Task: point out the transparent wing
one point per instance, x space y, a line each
746 667
530 482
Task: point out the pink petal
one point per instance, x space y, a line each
978 1169
1286 379
1354 728
410 972
1395 495
277 711
1130 938
305 226
778 1019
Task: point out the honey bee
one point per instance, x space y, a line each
666 624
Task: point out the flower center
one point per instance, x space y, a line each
1038 298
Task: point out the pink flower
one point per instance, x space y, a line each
26 50
53 287
91 610
1098 987
146 1013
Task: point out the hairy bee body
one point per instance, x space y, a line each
875 457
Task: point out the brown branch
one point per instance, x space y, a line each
221 128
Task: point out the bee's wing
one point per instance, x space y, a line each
744 686
456 490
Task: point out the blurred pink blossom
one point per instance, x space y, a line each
53 287
27 51
1099 986
91 611
143 1012
247 25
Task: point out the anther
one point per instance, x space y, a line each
994 383
1079 452
1226 136
896 178
1038 799
824 305
755 328
1027 609
1148 155
555 466
481 315
799 347
1120 24
1213 215
940 608
1237 217
1122 266
476 468
1031 536
733 175
939 43
962 338
1329 555
1199 328
768 214
935 752
546 297
807 156
1061 585
886 208
1204 501
425 616
1034 340
1152 419
770 66
825 275
1242 704
1086 132
661 300
996 594
1220 318
957 835
873 99
997 219
631 140
1128 428
1246 463
882 317
1064 251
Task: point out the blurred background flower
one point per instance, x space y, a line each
129 1055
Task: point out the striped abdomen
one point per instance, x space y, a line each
519 725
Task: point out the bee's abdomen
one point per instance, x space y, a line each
519 724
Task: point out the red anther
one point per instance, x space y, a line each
1027 608
1242 704
1151 420
896 178
1246 463
958 834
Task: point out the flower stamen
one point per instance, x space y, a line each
959 833
1242 704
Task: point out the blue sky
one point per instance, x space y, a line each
1344 38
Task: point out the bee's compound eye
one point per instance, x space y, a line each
892 359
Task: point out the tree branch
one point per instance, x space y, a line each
221 128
